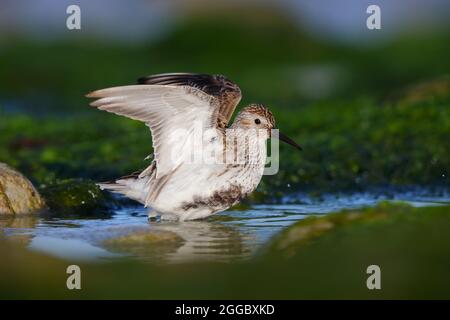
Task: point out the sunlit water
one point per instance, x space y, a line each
229 236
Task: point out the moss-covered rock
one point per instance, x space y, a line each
305 232
77 196
309 229
17 193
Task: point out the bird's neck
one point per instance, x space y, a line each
245 147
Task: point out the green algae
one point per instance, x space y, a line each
78 197
348 146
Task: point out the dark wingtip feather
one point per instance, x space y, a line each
165 77
216 85
141 80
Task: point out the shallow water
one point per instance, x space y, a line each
229 236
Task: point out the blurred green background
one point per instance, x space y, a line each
370 107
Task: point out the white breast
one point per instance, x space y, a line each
196 190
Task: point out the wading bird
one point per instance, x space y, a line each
200 165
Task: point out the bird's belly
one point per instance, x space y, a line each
200 193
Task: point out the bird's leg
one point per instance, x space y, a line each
153 215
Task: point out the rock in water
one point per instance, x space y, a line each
17 194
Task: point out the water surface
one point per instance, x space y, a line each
228 236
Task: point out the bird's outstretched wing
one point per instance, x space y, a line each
172 112
226 92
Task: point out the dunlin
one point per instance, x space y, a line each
192 175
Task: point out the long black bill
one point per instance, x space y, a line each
288 140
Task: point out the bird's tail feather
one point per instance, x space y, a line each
135 186
132 187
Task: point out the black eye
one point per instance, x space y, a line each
257 121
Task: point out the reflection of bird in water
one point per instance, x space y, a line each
200 166
205 240
174 241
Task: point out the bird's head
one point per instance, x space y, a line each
256 117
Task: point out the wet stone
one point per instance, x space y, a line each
145 243
17 193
